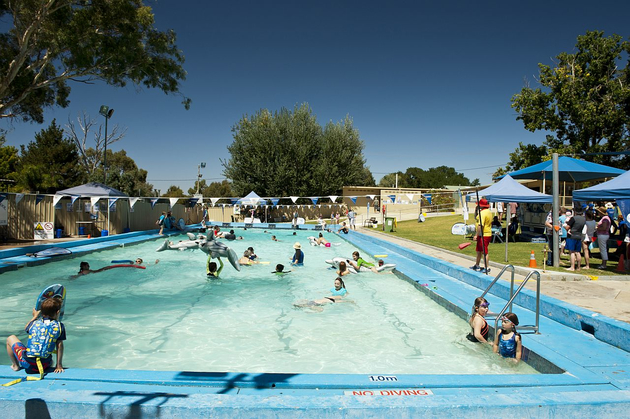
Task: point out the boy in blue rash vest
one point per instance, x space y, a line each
45 335
358 262
507 342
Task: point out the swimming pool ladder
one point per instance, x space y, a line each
513 294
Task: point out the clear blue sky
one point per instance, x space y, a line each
427 83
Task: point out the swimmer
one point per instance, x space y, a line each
139 261
232 236
84 269
298 257
273 238
477 322
245 260
338 292
507 342
343 269
252 255
280 269
321 240
358 262
211 270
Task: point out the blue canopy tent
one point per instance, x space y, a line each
509 190
570 170
94 189
617 188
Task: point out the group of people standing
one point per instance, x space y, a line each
578 229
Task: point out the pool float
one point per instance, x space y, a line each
55 290
122 261
216 249
383 268
123 266
181 245
51 251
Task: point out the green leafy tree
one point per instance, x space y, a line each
174 191
50 42
49 163
389 180
584 100
214 189
435 177
288 153
123 174
9 160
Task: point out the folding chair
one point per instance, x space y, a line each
497 234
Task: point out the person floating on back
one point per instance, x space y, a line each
45 336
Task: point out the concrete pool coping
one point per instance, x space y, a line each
595 378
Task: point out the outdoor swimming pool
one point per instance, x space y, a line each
169 317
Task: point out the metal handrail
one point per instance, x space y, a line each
513 295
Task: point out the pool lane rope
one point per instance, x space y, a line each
29 378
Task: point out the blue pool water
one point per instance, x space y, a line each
170 317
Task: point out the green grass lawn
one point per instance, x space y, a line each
436 231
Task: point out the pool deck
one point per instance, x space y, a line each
587 372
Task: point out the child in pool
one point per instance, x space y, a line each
84 269
343 269
211 269
507 342
358 262
338 292
280 269
478 324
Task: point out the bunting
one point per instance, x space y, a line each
393 198
172 202
193 202
353 199
275 201
18 198
56 199
428 196
371 197
94 200
294 198
410 196
3 196
73 198
132 202
214 201
333 198
38 199
153 202
112 201
314 199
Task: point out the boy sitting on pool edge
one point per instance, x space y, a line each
45 335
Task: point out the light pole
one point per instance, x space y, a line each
200 166
107 113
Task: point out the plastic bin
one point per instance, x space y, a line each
58 233
81 230
388 227
104 233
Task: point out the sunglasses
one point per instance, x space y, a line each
486 305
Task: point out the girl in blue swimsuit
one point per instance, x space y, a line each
507 342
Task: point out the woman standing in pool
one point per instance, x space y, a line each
298 257
507 342
478 323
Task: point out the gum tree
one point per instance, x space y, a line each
50 42
584 100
